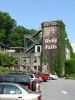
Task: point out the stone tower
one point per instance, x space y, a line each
53 50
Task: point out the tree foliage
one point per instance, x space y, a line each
7 25
10 33
6 60
70 66
57 56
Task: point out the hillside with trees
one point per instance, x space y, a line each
12 34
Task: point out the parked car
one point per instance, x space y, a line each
53 76
13 91
23 79
35 79
35 76
43 77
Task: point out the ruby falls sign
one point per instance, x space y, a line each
50 43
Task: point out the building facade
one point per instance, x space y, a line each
53 52
45 56
28 61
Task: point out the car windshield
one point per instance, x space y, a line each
26 88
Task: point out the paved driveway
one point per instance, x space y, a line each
58 90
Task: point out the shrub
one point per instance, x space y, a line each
70 66
7 60
4 70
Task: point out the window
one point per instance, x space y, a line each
35 59
8 78
24 60
31 76
24 67
11 89
35 67
38 48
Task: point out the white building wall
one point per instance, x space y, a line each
67 54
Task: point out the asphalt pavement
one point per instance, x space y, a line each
60 89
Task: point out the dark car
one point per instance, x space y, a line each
23 79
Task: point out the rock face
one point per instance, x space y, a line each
53 50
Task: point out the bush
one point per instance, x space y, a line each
4 70
7 60
41 73
70 66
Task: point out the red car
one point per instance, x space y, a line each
43 77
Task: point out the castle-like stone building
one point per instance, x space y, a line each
47 55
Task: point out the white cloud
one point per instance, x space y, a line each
73 46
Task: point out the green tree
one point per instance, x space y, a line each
2 35
70 67
10 33
6 60
7 25
18 36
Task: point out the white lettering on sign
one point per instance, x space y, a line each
53 40
50 43
50 47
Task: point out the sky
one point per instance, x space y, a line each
31 13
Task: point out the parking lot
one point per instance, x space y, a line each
60 89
